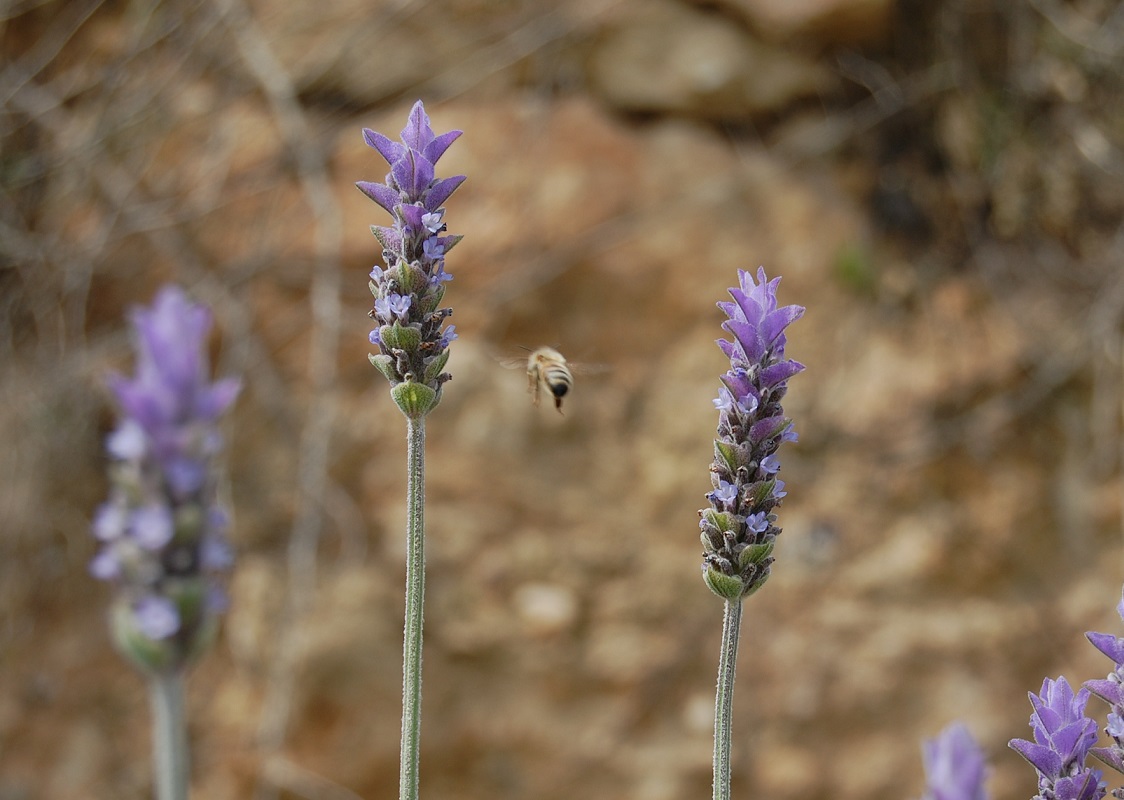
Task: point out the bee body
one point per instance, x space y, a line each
547 368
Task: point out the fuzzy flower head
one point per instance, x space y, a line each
413 348
1111 690
162 536
739 530
955 768
1063 738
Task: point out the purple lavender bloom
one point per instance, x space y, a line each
413 349
954 766
739 530
162 536
1063 738
1111 690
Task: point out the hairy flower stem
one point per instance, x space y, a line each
724 698
169 735
415 596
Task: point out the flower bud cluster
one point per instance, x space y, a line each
1063 738
1111 690
162 535
413 346
738 529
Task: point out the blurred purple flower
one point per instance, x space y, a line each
738 530
160 531
954 766
413 348
1063 738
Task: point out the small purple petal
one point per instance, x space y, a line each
738 382
432 249
417 133
390 150
1109 691
156 616
109 522
1085 785
216 399
412 216
1110 645
436 148
1042 758
399 304
389 238
779 373
152 526
215 554
758 522
439 274
105 565
128 442
753 347
440 191
776 321
185 476
770 465
1111 756
381 193
765 429
217 600
726 492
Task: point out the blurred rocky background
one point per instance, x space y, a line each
939 183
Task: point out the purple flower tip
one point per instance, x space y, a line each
955 768
1063 738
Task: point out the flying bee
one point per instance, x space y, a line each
547 368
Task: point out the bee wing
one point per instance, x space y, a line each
513 363
581 368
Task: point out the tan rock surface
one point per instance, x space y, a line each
953 518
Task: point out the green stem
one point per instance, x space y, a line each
415 595
724 698
169 735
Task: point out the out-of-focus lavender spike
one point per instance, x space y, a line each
161 531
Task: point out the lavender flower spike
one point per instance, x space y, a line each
1063 737
162 534
738 530
413 348
1111 690
954 766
